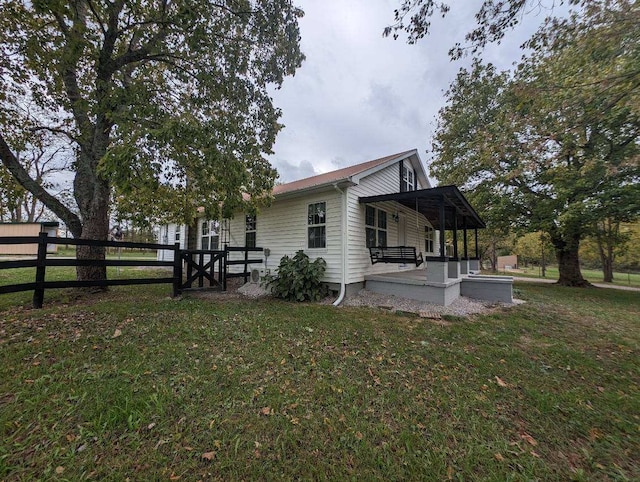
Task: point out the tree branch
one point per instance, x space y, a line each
11 162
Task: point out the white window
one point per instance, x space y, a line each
209 235
250 232
177 238
317 225
428 239
408 181
375 227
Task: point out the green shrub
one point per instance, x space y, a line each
298 279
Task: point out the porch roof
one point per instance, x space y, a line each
428 201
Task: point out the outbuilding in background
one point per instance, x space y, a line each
27 229
508 262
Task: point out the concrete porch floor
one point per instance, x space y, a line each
413 284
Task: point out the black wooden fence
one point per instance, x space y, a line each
204 267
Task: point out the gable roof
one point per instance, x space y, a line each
351 173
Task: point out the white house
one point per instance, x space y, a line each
339 215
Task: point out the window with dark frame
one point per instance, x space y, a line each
250 232
209 235
428 239
317 225
375 227
177 236
408 180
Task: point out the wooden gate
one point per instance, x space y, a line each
204 265
210 269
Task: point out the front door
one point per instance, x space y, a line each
402 230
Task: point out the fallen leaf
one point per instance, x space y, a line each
529 439
59 469
535 454
117 333
450 473
501 382
208 455
499 457
173 476
266 411
71 437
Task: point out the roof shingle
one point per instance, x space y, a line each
333 176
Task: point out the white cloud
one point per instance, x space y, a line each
360 96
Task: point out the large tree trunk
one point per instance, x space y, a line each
569 262
92 195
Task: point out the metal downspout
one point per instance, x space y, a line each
343 284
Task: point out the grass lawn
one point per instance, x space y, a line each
592 275
133 384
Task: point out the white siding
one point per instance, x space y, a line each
167 235
282 228
386 181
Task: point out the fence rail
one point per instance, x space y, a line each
42 262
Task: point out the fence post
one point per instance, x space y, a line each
246 265
41 264
177 270
223 268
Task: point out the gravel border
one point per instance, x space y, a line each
461 307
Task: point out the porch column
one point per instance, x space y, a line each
455 235
437 269
464 263
442 227
454 263
464 224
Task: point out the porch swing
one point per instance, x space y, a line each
398 254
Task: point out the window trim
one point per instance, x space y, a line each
408 178
177 234
212 232
322 225
376 227
429 238
250 227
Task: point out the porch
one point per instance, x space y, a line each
417 285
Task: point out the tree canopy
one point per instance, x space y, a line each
165 102
493 19
554 145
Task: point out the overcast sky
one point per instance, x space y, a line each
360 96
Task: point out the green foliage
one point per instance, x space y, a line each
493 19
299 279
552 146
531 247
166 103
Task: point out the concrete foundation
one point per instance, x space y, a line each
417 285
474 266
454 269
464 266
414 289
488 288
438 271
